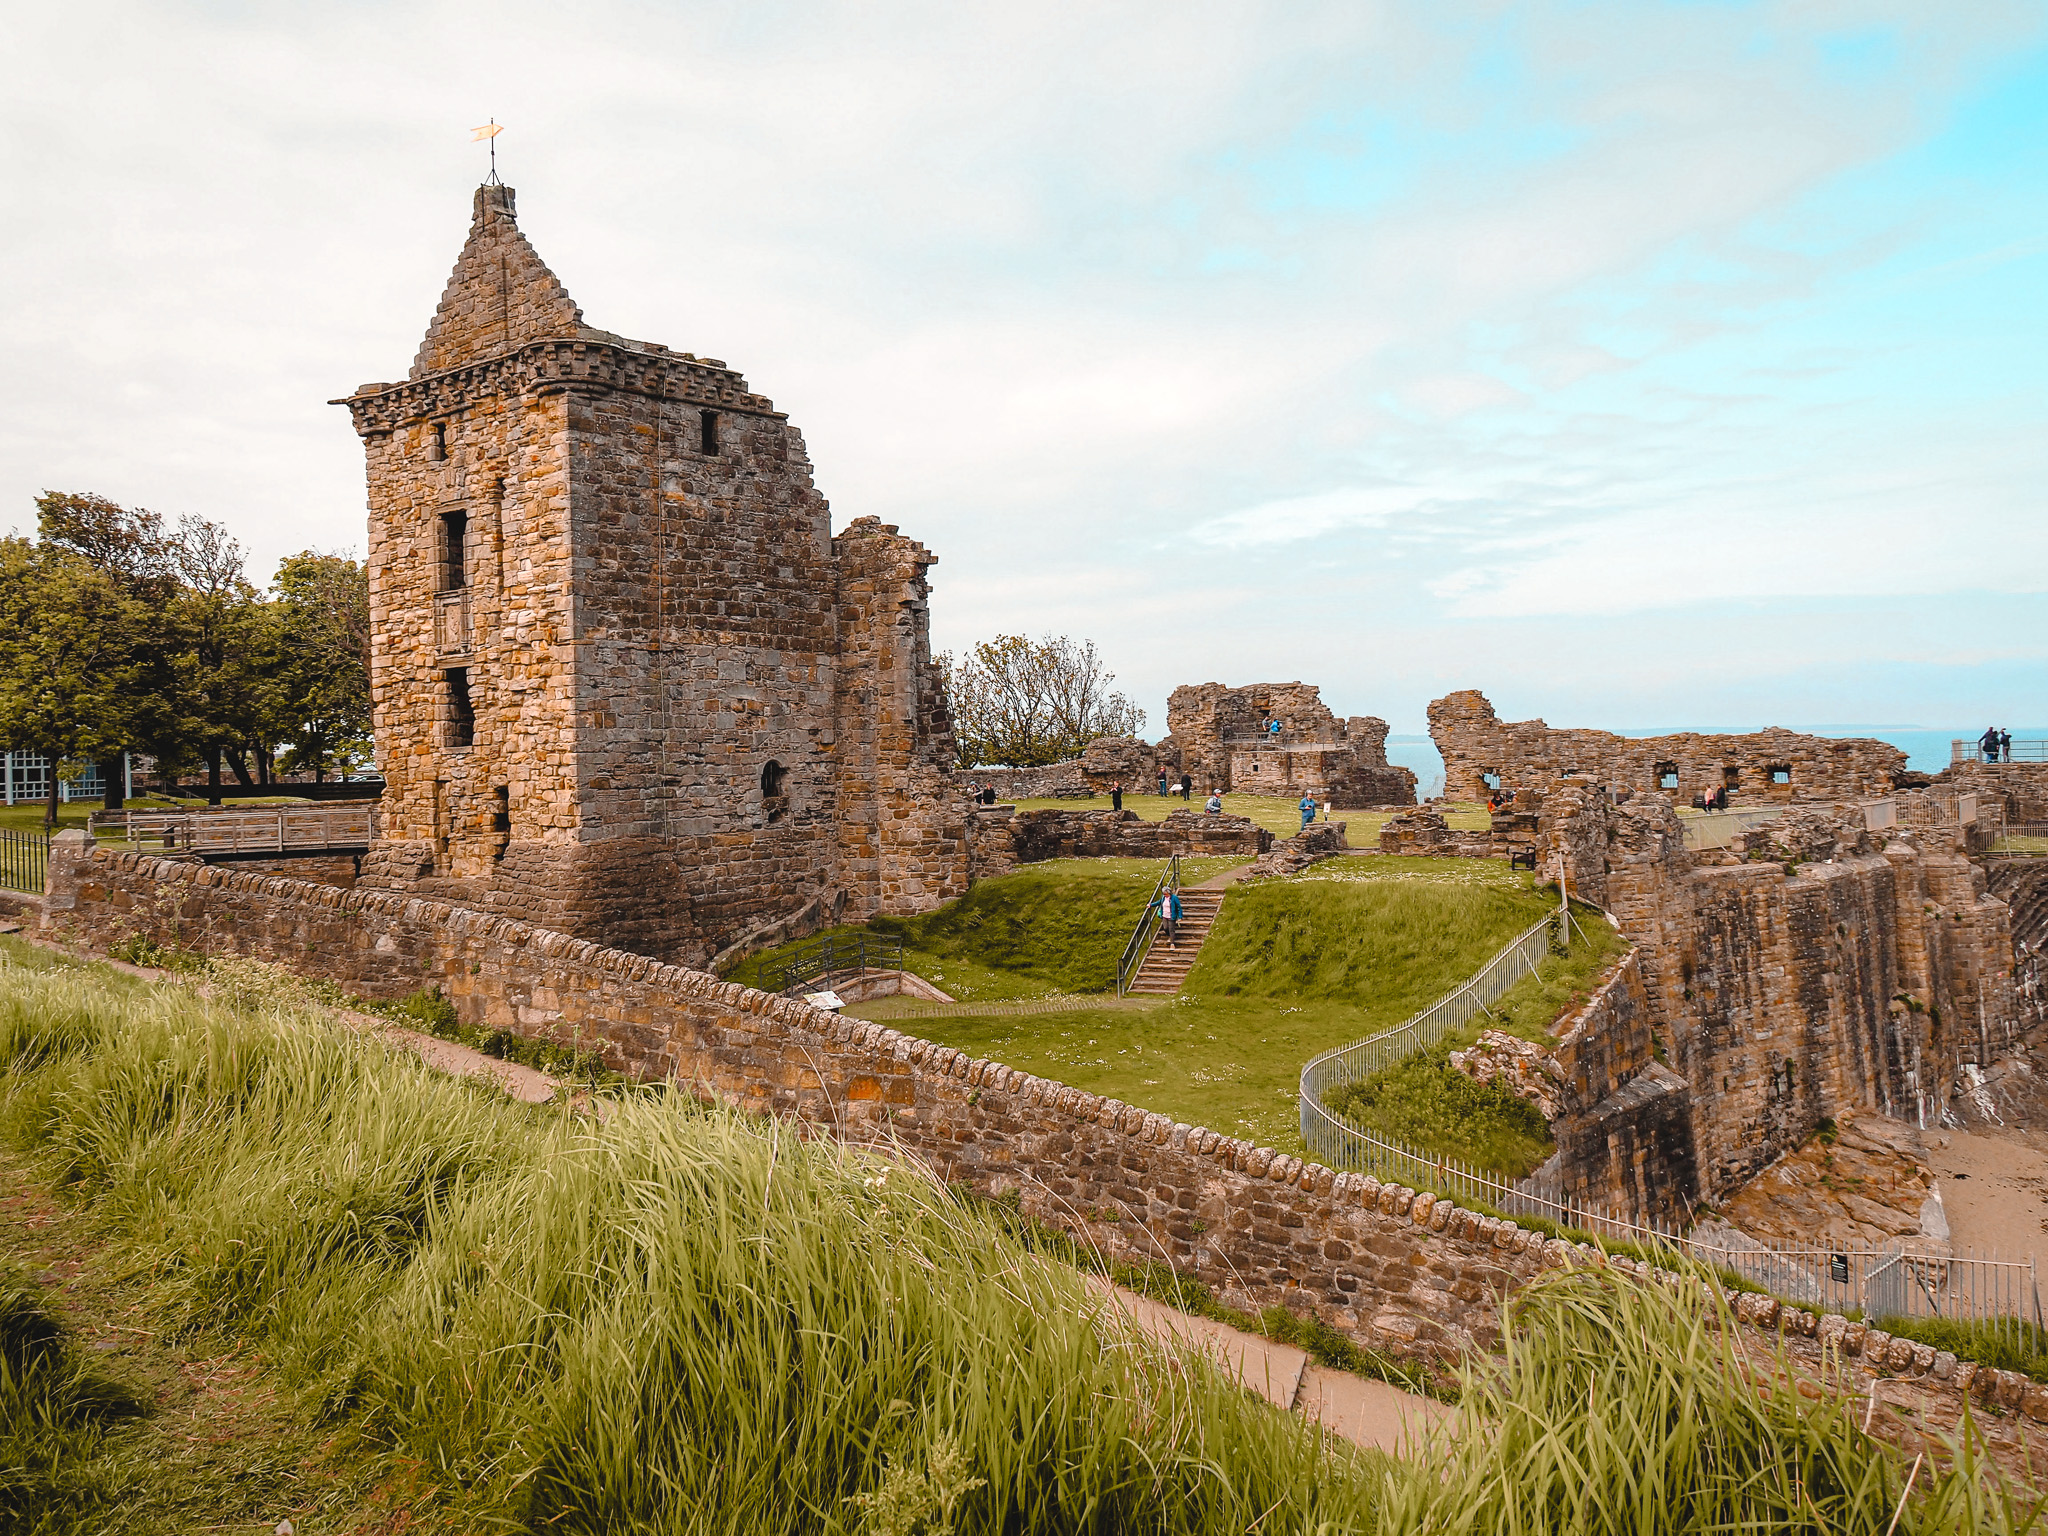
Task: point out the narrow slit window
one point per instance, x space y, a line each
454 551
501 815
437 442
774 777
461 712
710 421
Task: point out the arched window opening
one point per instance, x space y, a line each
774 798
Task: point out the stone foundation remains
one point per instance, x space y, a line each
1220 735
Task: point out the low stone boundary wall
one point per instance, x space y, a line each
1031 837
1406 1272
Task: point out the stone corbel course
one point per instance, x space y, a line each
1404 1271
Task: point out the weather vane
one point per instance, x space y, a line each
490 131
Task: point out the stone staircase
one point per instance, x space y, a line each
1163 969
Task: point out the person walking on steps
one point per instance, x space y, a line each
1169 917
1116 795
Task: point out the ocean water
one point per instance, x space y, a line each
1927 749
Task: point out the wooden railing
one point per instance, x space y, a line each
336 827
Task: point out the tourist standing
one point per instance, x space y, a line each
1116 795
1308 810
1162 784
2005 746
1988 744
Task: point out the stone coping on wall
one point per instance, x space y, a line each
1438 1233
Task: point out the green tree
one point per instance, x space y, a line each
322 611
225 656
131 548
74 669
1026 703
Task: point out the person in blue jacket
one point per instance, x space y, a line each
1308 811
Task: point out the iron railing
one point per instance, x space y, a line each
1360 1059
24 860
1140 942
2019 752
830 953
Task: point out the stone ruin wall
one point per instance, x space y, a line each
1862 976
1213 733
1216 731
1404 1272
1005 838
1528 754
2020 789
696 713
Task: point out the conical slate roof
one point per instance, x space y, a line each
501 295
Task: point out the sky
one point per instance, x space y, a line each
1641 365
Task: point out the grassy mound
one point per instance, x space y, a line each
673 1321
1391 945
1053 927
1423 1103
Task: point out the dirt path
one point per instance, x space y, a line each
1994 1187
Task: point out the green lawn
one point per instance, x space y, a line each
1294 967
1281 817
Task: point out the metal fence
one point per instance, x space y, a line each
1139 944
24 860
1360 1059
1898 1282
829 953
1717 829
2018 752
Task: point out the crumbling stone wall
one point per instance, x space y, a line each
1625 1138
1787 992
1423 833
2020 788
1217 734
626 682
1481 752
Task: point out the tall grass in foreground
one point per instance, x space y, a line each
675 1321
1626 1409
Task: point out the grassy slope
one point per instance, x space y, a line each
673 1321
1293 967
1422 1102
1052 927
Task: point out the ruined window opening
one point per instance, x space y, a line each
454 551
1667 775
710 420
1780 774
501 818
1491 777
773 800
461 713
1731 778
437 442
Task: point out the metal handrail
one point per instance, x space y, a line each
833 952
1140 941
1972 751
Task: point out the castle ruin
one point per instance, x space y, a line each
627 683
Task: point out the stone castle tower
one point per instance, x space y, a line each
627 683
